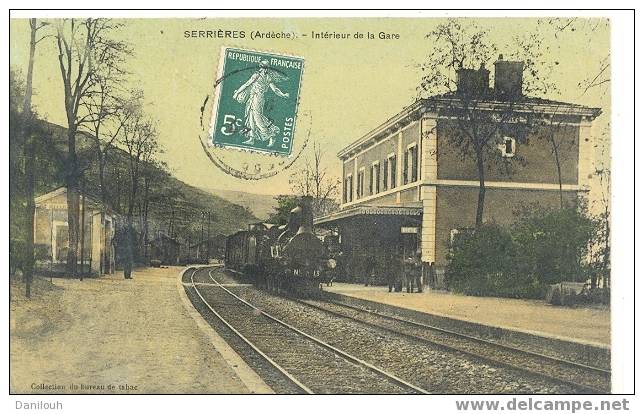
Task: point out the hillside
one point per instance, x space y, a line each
227 216
261 205
174 206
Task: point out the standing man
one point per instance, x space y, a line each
418 271
391 270
411 272
370 269
431 282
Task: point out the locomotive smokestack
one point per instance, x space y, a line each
294 220
306 225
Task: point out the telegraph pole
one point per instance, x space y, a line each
201 236
82 229
30 156
208 242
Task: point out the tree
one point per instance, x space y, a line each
478 114
139 139
555 241
84 48
531 47
153 171
17 257
488 262
313 180
27 136
16 148
285 203
456 47
552 128
599 80
600 247
105 103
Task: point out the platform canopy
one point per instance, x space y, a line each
368 211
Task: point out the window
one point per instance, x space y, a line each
392 171
377 166
410 170
406 168
414 163
385 174
507 147
374 182
360 184
345 189
348 189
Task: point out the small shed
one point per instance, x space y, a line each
165 248
51 232
214 247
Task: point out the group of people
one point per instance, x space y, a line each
408 276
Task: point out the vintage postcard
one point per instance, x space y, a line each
402 204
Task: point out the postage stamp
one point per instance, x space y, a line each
256 101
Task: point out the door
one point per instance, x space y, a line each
60 243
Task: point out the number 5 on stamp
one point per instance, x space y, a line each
256 101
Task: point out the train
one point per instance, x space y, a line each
288 259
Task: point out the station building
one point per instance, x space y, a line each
51 233
408 186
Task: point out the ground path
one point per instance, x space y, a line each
110 331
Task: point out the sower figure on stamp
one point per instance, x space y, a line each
256 124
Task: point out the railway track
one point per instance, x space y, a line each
581 377
308 363
432 365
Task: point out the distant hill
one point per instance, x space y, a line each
189 201
174 206
261 205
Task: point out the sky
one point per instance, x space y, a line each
349 86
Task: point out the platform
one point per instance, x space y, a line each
110 335
586 326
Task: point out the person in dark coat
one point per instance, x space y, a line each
412 272
370 270
393 275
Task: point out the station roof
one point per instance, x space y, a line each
57 199
369 211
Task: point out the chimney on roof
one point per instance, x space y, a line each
508 79
473 82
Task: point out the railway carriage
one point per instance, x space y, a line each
236 250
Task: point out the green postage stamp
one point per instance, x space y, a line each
256 100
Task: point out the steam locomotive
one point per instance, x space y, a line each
286 259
